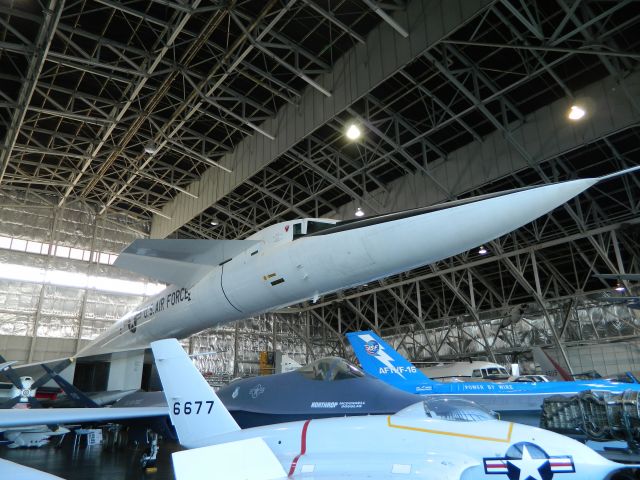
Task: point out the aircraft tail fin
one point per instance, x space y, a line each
379 359
549 366
195 410
181 262
230 461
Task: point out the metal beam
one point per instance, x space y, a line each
350 79
41 47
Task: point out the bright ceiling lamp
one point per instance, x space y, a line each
151 147
482 250
576 113
359 212
619 287
353 132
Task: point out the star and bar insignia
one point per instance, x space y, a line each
527 461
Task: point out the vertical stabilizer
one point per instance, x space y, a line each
379 359
194 408
549 367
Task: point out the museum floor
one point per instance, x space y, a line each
92 463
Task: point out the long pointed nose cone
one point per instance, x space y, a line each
433 236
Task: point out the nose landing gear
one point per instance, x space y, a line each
148 458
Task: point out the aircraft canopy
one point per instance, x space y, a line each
330 369
452 409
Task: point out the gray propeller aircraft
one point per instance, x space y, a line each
433 439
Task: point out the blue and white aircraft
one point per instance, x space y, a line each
434 439
515 401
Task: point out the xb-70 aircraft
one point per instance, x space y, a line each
219 281
435 439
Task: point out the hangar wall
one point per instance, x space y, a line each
585 324
607 359
48 246
234 350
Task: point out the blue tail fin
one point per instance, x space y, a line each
380 360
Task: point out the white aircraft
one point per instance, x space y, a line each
31 437
439 439
19 417
28 427
34 418
301 260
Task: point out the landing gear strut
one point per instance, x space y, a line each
148 459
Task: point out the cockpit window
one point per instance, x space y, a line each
313 227
452 409
495 372
330 369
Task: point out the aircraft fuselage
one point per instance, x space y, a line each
283 269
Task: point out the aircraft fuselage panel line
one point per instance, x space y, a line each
222 288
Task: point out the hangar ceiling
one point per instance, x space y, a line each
178 115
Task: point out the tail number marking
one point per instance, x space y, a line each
190 407
398 370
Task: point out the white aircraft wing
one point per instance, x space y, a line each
230 460
181 262
55 416
13 470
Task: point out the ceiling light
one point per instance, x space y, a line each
353 132
151 147
482 250
576 112
359 212
214 222
619 287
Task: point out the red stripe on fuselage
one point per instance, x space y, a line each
303 448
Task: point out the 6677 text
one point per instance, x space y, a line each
192 407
